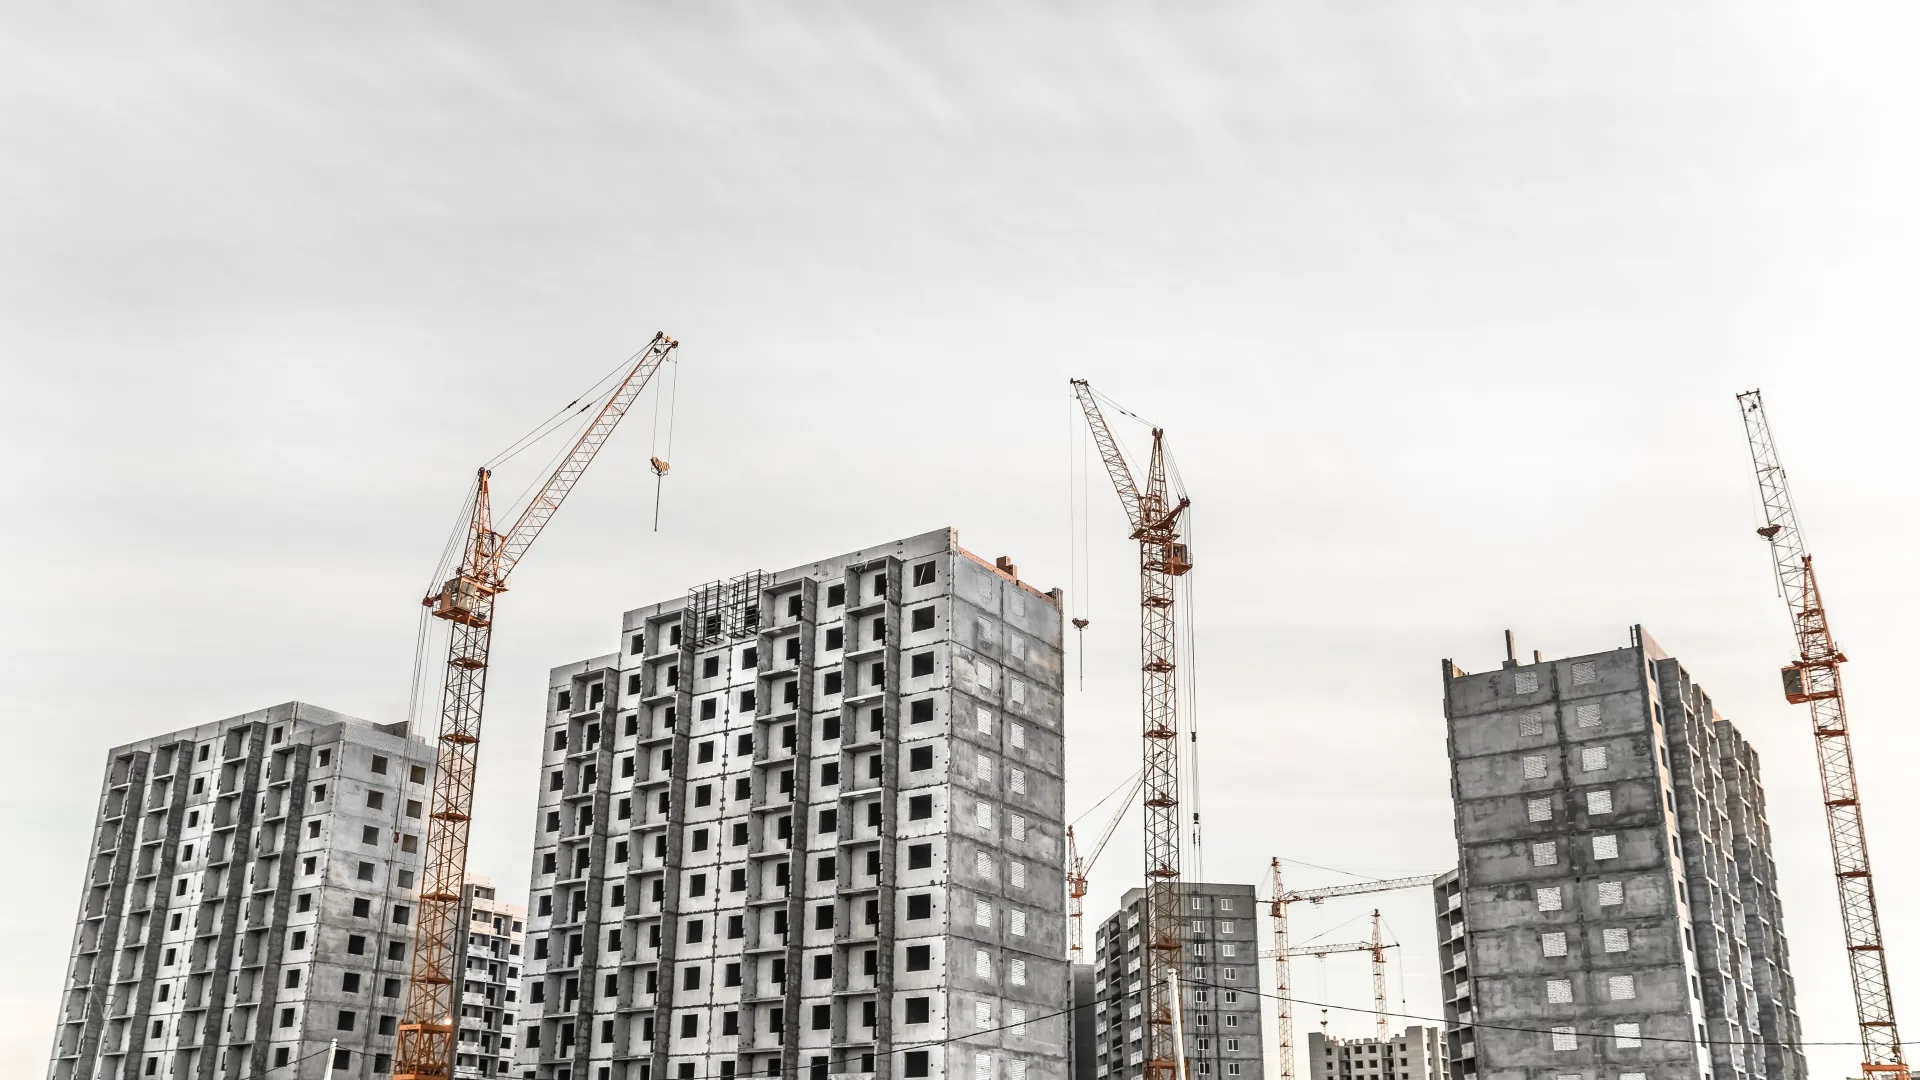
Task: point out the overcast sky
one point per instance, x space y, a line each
1443 305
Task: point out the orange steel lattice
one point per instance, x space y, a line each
1162 558
1282 971
1815 681
425 1048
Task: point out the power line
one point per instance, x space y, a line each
1607 1034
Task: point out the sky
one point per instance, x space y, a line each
1442 305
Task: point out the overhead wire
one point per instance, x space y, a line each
1606 1033
536 433
1124 995
1108 797
423 633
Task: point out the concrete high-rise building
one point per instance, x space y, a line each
1615 913
811 816
248 899
1456 976
1221 1001
1418 1053
490 958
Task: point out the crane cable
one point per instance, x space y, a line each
455 548
661 465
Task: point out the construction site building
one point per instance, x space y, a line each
1456 977
807 823
1418 1053
491 946
248 901
1220 1000
1615 913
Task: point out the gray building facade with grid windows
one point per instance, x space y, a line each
1615 915
491 948
1417 1053
1220 999
807 823
248 901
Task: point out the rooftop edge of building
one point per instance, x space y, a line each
295 712
1637 638
919 545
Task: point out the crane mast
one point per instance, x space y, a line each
465 602
1814 680
1282 974
1374 947
1154 519
1077 871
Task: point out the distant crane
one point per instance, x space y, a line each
465 601
1155 521
1814 680
1374 947
1077 869
1282 976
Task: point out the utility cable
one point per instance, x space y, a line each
1323 1006
542 429
1104 799
1605 1034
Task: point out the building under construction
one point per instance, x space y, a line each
1615 912
1220 1004
807 823
1417 1053
249 901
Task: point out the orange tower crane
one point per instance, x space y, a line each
1155 522
1814 680
1282 975
1376 948
466 602
1077 871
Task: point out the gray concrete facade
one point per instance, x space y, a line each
248 898
1080 1026
1418 1053
1613 916
1456 976
807 823
491 949
1220 1001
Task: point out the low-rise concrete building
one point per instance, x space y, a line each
1615 915
248 901
1418 1053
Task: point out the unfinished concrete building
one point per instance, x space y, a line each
491 951
1615 913
807 823
1456 976
1221 1002
248 899
1418 1053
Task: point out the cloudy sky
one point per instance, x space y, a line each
1442 304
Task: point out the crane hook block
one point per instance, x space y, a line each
1079 624
1768 532
659 467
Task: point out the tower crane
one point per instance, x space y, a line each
1375 947
1282 977
1077 869
1814 680
466 601
1155 521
